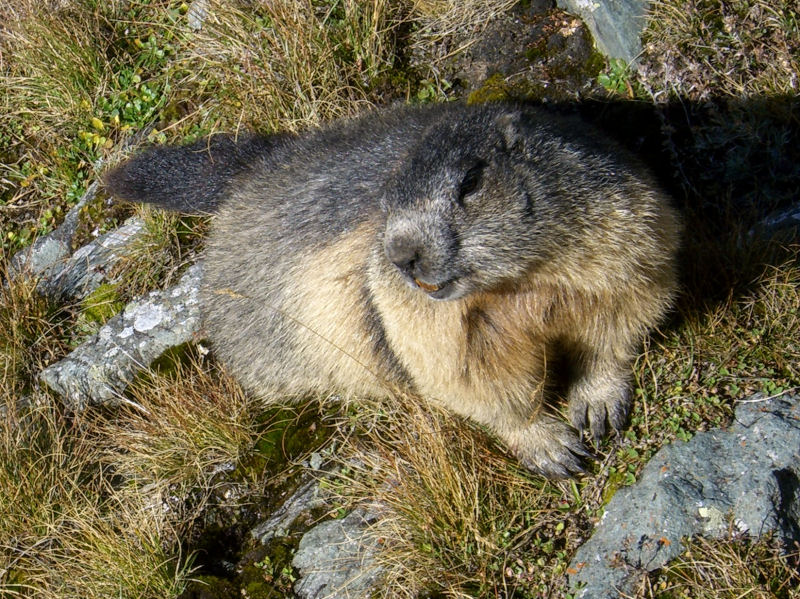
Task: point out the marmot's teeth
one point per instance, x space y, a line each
426 287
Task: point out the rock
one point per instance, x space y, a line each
308 497
616 25
90 266
748 474
99 370
64 275
197 14
336 559
531 52
46 252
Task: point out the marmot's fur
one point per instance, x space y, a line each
455 252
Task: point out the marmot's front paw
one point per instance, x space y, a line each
550 447
598 408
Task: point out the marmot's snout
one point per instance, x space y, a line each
421 263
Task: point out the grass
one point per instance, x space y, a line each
311 61
704 48
180 429
105 503
729 570
459 517
31 334
63 533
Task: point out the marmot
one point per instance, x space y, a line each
456 252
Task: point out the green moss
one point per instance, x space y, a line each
286 436
268 572
174 357
103 303
494 89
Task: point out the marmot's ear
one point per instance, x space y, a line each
508 124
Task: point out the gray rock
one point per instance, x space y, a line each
48 251
307 497
336 559
748 474
616 25
89 267
99 370
197 14
786 221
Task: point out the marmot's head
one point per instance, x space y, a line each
463 212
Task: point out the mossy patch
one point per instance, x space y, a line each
494 89
103 303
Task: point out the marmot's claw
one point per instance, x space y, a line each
600 413
553 449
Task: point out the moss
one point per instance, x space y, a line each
103 303
494 89
287 436
267 573
174 357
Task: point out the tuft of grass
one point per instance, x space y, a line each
42 469
158 257
438 19
64 534
31 333
728 570
289 64
457 517
121 547
180 429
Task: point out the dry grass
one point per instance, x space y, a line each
31 333
64 533
156 259
290 64
89 503
729 570
699 49
181 429
438 19
68 70
458 517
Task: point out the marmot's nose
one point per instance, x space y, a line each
404 254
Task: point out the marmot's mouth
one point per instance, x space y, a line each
427 287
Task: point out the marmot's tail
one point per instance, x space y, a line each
188 178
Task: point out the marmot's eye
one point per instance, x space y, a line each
472 180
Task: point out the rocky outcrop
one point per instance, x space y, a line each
336 559
100 369
616 25
744 478
47 252
77 276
